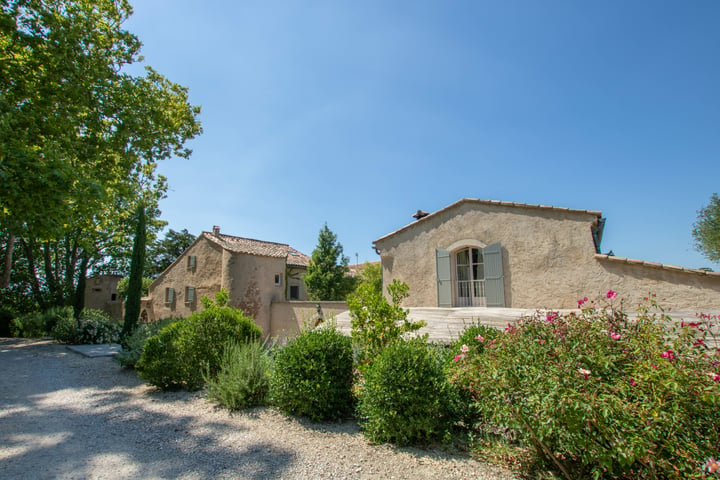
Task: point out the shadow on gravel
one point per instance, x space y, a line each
66 416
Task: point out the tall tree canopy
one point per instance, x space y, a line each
80 137
706 230
327 276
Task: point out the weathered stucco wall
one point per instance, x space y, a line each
288 318
549 259
205 277
101 294
253 286
543 252
673 287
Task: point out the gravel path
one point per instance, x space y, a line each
66 416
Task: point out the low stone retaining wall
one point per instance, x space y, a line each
288 318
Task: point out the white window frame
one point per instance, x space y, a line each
470 291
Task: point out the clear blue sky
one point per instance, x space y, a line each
359 113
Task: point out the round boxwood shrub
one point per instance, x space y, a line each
180 355
313 376
403 397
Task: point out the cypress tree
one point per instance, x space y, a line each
132 304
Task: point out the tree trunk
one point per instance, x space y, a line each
79 303
29 248
5 279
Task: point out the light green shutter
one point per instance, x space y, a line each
169 295
444 278
494 288
192 262
190 295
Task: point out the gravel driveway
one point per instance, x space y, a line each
66 416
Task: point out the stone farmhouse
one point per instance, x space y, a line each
101 294
485 253
255 273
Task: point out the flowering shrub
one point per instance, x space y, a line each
600 395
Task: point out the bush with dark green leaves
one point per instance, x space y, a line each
39 324
93 327
130 355
313 375
244 377
403 398
185 351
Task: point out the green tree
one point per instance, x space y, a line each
371 275
124 283
327 276
77 130
706 229
132 303
377 323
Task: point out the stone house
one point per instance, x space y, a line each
484 253
101 294
255 273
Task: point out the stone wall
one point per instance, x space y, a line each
101 294
205 277
288 318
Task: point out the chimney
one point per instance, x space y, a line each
216 230
420 214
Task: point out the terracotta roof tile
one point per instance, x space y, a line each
259 247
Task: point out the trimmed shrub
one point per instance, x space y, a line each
312 375
403 398
244 377
130 355
185 351
599 395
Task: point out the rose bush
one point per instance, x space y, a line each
598 394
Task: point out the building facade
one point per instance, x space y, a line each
485 253
255 273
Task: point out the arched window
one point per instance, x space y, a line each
469 281
470 276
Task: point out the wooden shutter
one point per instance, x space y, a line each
494 288
169 295
444 278
190 295
192 262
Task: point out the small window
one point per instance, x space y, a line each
189 294
113 297
294 292
278 279
97 289
169 295
192 262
